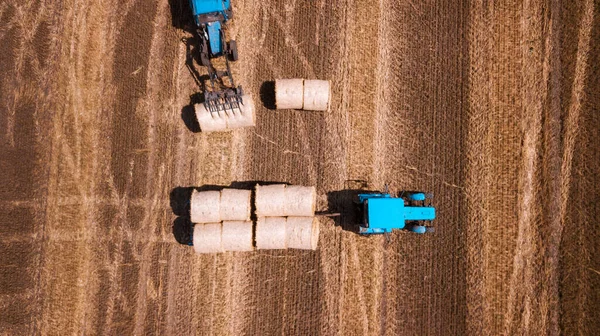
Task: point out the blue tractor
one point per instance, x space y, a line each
210 17
381 213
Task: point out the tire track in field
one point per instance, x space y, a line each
25 96
147 107
73 133
577 270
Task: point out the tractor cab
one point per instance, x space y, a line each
210 15
382 213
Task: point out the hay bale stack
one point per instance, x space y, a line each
237 236
271 233
299 201
270 200
207 238
235 205
205 207
302 233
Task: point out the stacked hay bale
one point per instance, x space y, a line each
305 94
285 219
222 220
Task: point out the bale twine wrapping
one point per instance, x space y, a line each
205 207
237 236
270 200
207 238
316 95
302 233
235 205
289 93
300 201
271 233
210 122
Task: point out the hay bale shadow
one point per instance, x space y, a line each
267 95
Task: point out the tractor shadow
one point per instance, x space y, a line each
180 201
181 15
345 202
182 18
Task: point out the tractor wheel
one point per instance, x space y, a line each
210 122
289 93
302 233
233 53
415 196
237 236
205 207
300 201
270 200
417 228
316 95
243 116
271 233
235 205
207 238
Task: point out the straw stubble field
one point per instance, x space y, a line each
490 106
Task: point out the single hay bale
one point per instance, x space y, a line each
235 205
210 122
316 95
237 236
270 200
243 116
205 207
302 233
289 93
271 233
207 238
300 201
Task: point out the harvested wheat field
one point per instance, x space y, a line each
491 106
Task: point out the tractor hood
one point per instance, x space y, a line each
200 7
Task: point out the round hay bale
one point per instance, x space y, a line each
235 205
316 95
271 233
243 116
207 238
289 93
300 200
237 236
210 122
302 233
205 207
270 200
